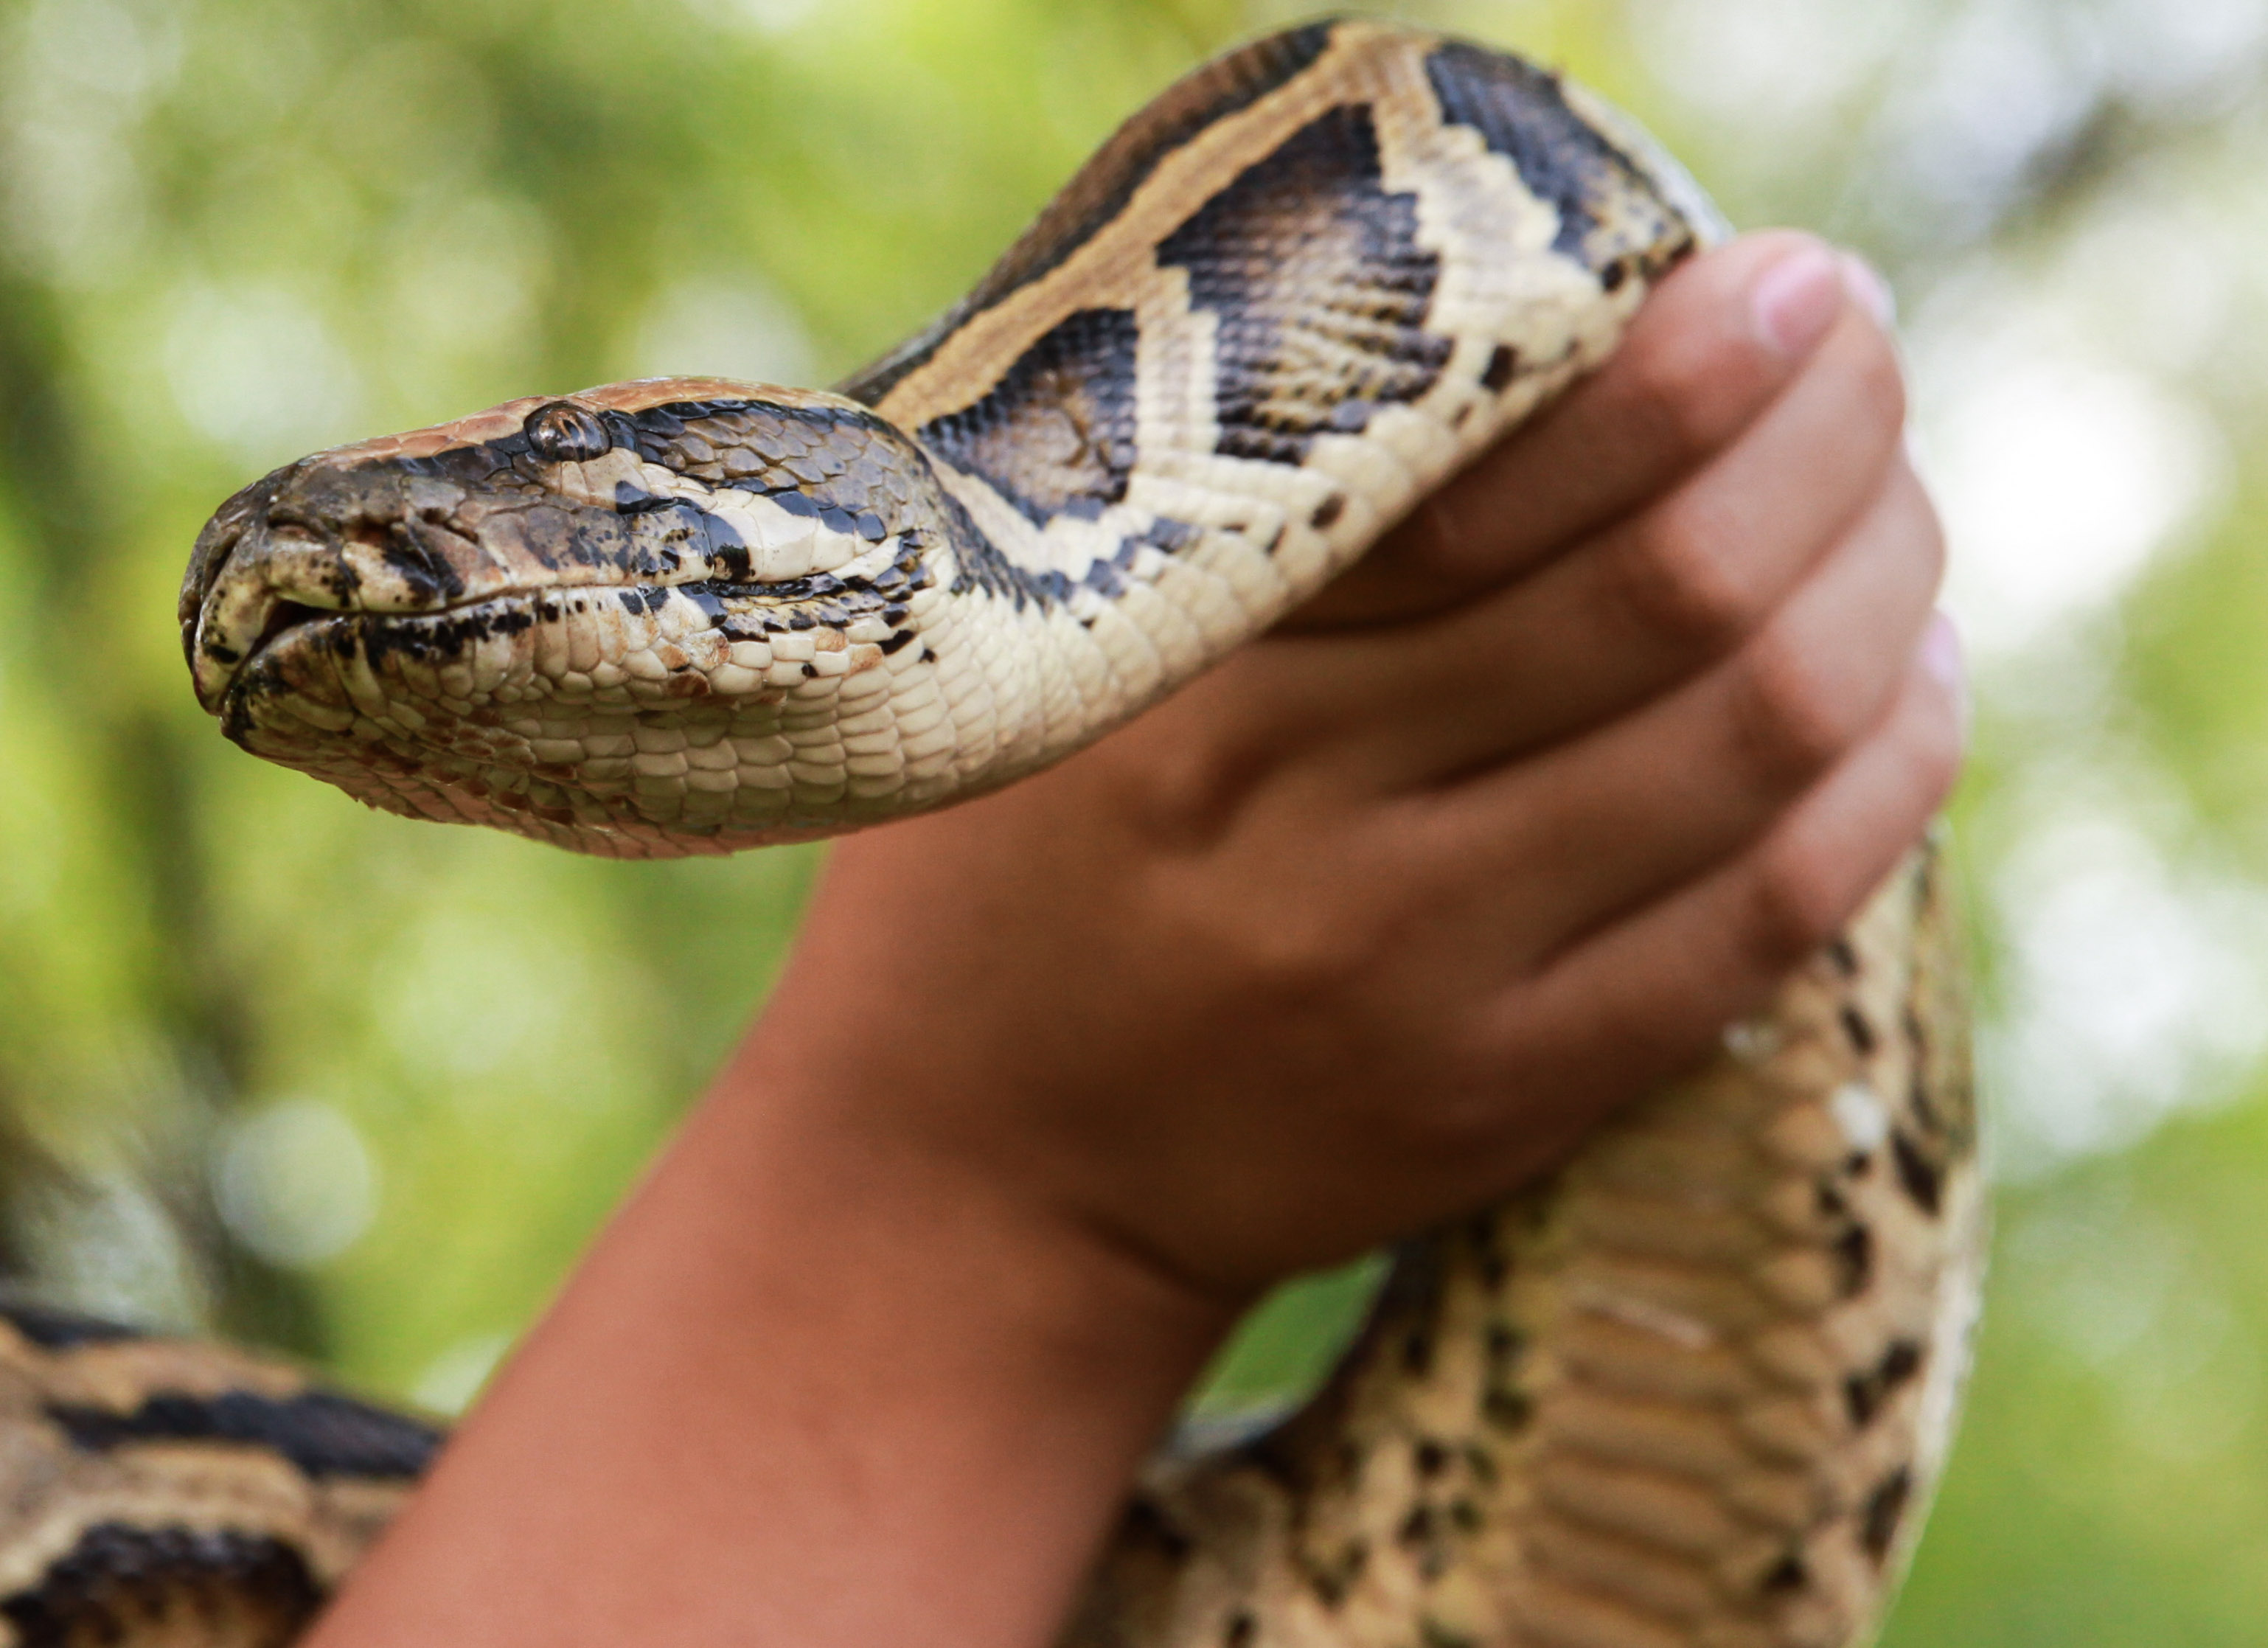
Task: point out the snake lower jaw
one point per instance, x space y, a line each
690 731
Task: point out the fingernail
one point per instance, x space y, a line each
1864 283
1941 655
1796 300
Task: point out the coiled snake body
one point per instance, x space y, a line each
1693 1391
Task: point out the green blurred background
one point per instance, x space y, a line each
361 1088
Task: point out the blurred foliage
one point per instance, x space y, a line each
361 1087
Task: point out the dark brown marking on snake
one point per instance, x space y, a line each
322 1433
1787 1575
1918 1176
1418 1352
807 459
980 566
631 502
1172 536
1522 112
1432 1634
1332 1580
1844 958
1242 1628
1919 1103
1862 1035
1327 512
1865 1393
423 563
1055 433
1502 366
1879 1517
1104 185
53 1329
167 1584
1507 1409
1854 1259
1313 270
1145 1523
1422 1535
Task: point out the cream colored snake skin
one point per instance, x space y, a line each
1690 1394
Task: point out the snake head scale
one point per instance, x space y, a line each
585 617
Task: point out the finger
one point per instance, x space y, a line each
1647 602
1642 1000
1653 800
1720 338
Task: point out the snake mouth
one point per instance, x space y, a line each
589 715
288 664
284 616
274 592
308 670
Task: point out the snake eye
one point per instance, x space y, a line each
565 433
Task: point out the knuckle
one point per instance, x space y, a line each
1183 785
1307 954
1790 716
1934 747
1185 802
1679 394
1797 903
1285 951
1878 383
1680 582
1923 526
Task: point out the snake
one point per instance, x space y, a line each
1692 1390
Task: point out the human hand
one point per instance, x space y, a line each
1371 923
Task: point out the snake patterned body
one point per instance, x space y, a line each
1693 1391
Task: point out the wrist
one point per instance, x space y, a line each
817 1383
880 1214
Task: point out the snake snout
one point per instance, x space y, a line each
316 540
265 577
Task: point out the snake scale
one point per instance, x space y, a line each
1691 1392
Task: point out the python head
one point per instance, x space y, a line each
655 617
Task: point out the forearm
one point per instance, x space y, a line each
810 1387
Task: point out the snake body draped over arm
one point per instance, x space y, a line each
1694 1390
